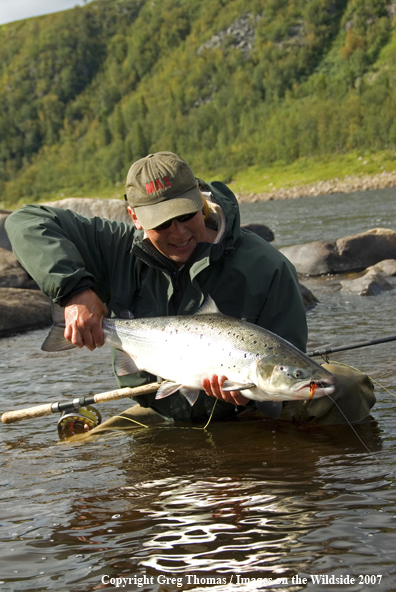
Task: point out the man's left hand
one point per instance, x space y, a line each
212 387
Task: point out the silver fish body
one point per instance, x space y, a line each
183 350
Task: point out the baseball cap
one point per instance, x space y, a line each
162 186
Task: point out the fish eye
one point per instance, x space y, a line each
297 373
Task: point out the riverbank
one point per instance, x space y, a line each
308 176
315 175
348 184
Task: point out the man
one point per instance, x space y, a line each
185 243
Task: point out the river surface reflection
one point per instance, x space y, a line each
171 508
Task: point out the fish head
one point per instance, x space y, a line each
293 379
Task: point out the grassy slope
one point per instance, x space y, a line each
305 171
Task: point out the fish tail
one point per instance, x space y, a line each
56 340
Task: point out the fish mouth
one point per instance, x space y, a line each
318 388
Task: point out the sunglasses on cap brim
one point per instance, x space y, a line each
168 223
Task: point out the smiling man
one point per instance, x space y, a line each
158 187
184 244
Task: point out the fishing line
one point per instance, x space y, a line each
343 414
177 427
361 372
129 419
353 429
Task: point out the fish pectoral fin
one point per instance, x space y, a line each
271 408
124 364
190 394
229 385
56 341
167 388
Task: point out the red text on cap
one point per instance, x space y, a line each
158 185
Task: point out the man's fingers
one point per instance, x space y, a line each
84 314
97 335
212 387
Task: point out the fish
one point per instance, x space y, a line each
185 349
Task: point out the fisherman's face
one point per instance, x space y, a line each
179 240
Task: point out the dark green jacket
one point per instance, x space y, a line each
246 277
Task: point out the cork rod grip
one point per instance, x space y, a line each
49 408
29 413
126 392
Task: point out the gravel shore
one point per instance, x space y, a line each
347 185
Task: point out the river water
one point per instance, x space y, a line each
215 509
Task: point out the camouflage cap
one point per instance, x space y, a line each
162 186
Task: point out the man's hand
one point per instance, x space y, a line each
84 314
212 387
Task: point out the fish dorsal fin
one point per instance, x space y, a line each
208 307
124 364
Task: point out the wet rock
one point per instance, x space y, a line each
12 274
4 240
345 255
112 209
370 284
308 297
315 258
262 230
23 310
387 267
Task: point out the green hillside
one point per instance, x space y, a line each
230 85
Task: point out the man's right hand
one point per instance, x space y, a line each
84 314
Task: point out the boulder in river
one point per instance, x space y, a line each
4 240
345 255
12 274
112 209
262 230
308 297
23 310
387 267
369 284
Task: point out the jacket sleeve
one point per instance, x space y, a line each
64 252
283 312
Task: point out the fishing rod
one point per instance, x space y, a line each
332 350
82 404
77 404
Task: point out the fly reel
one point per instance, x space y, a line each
78 421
